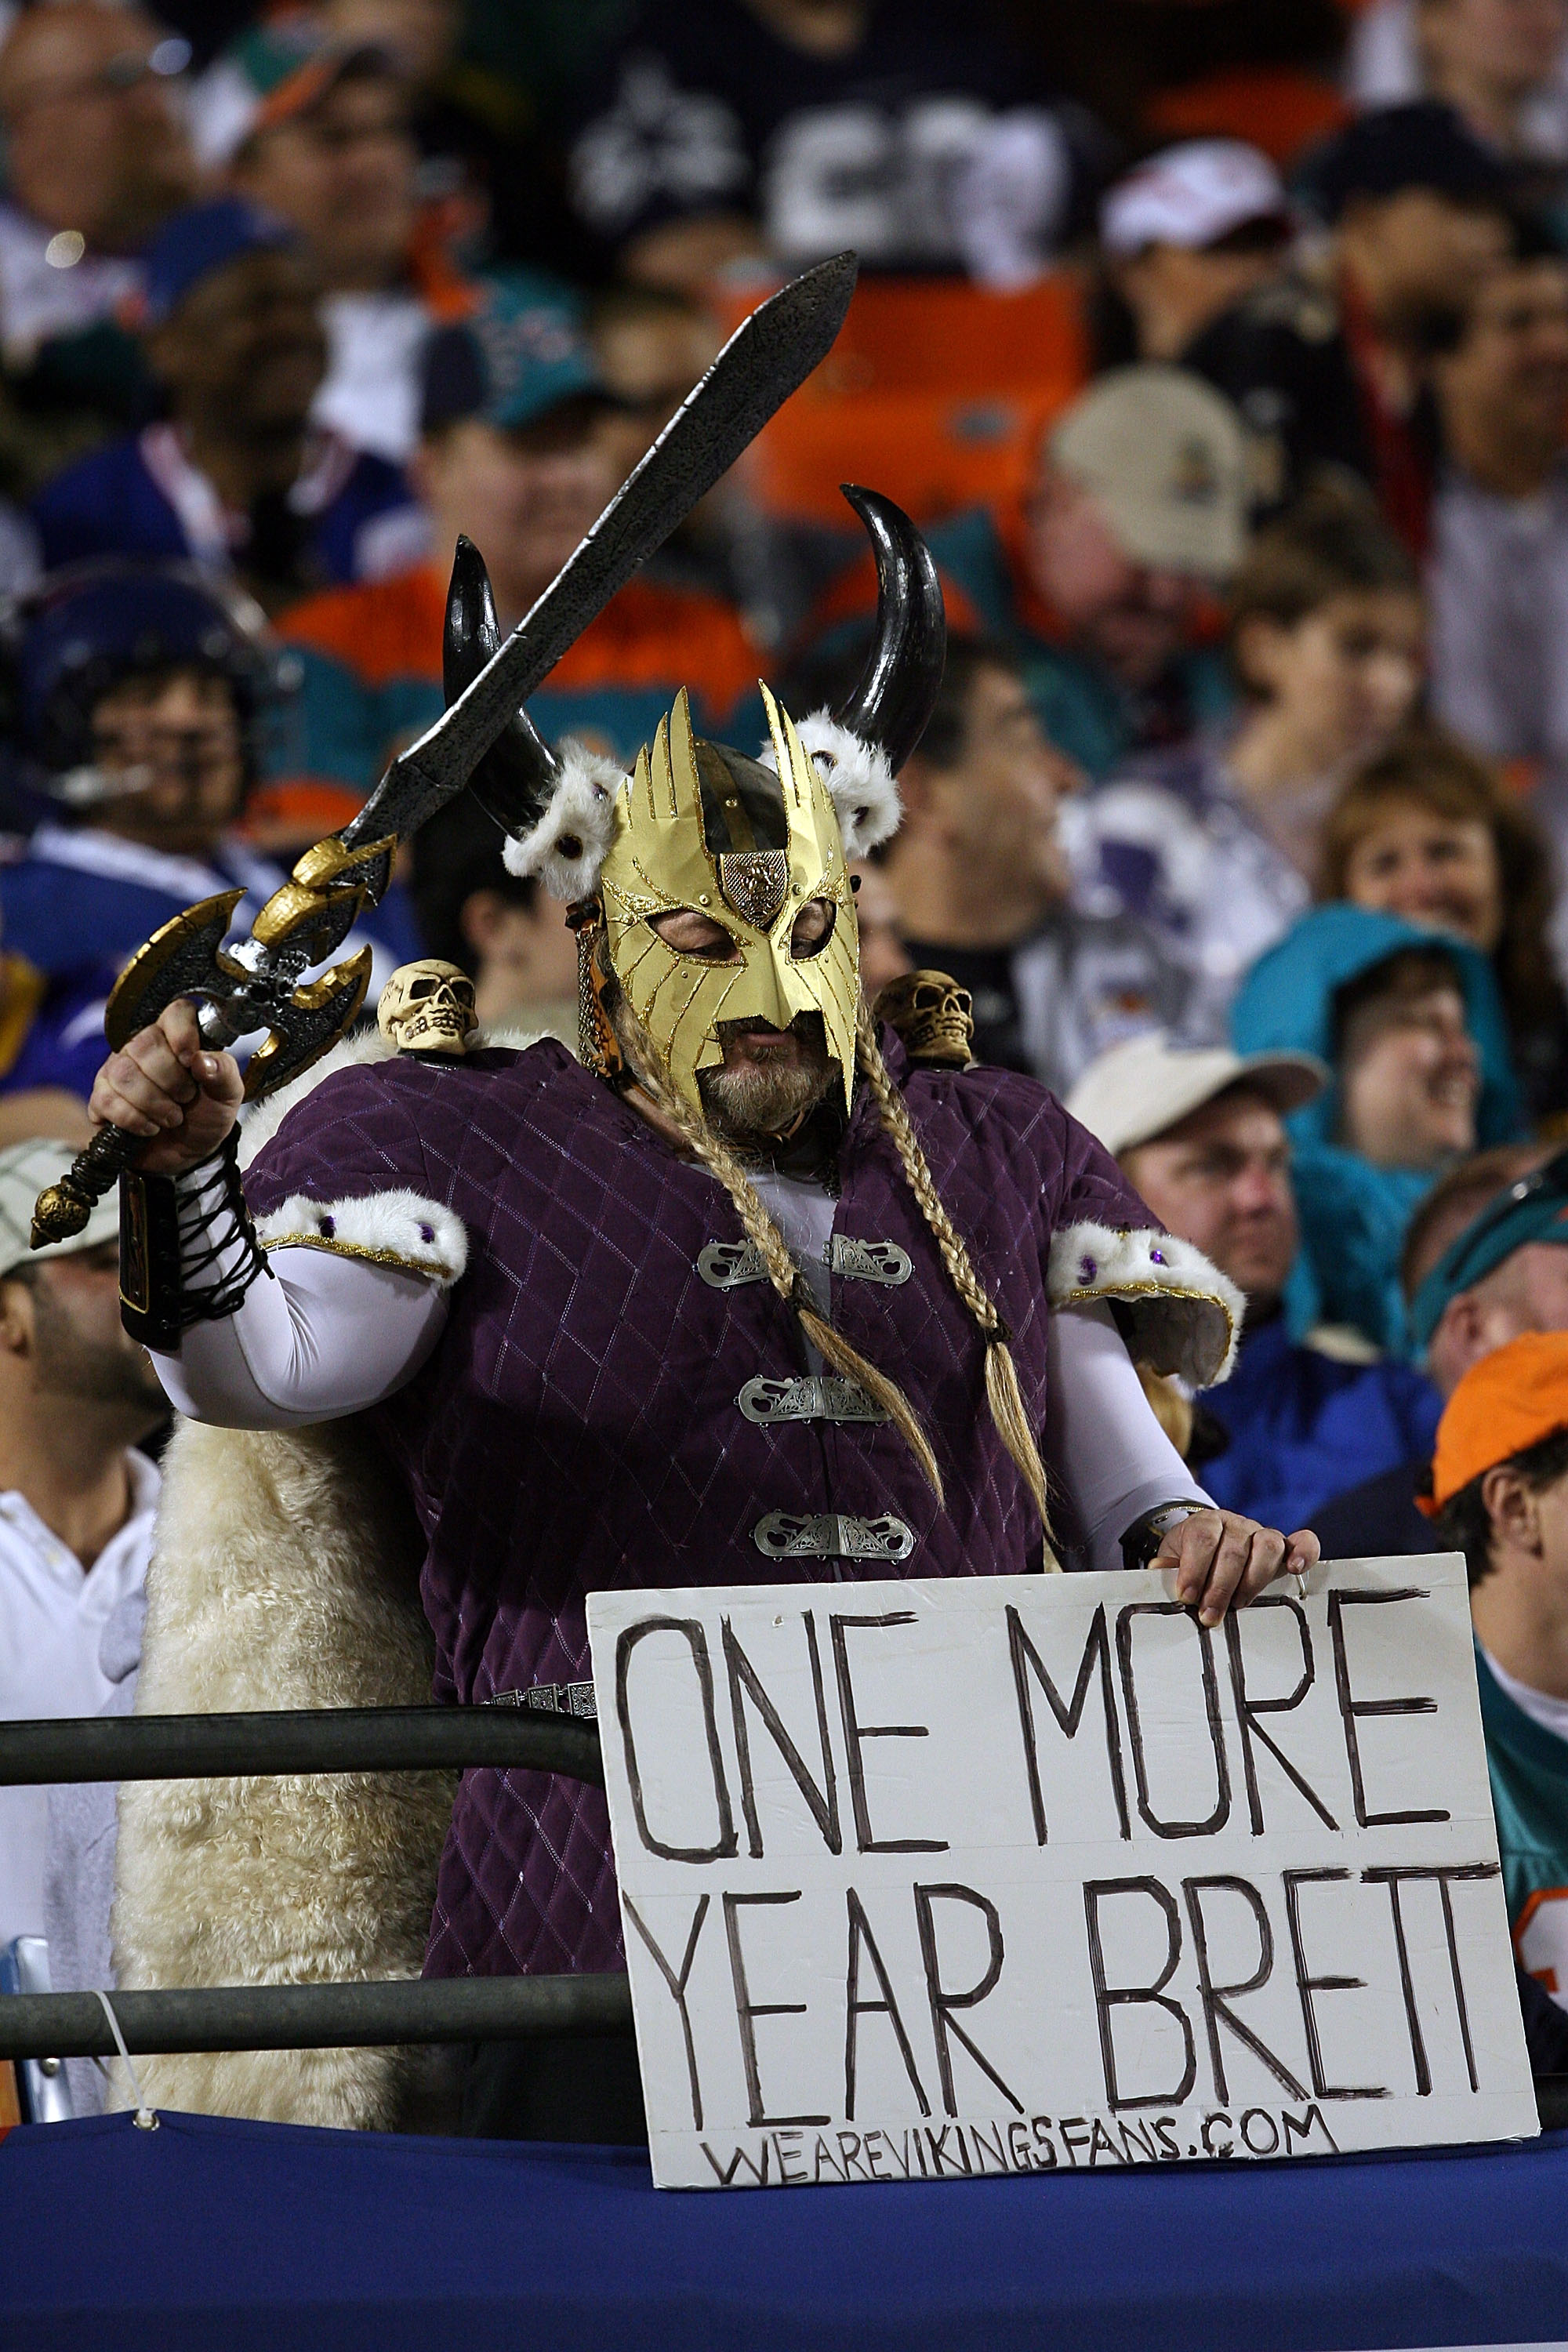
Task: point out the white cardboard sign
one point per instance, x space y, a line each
1027 1873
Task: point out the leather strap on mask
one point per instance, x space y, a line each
596 1040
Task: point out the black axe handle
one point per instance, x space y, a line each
62 1210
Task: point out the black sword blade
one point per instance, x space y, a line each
769 356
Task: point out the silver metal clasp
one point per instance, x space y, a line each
724 1265
830 1534
882 1262
826 1397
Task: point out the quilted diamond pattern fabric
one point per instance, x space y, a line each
577 1427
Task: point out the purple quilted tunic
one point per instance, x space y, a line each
577 1426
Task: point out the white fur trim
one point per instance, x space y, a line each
582 810
1185 1316
398 1228
284 1574
860 783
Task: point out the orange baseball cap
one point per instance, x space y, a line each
1506 1403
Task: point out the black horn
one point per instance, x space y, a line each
514 782
897 687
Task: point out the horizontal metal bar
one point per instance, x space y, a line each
314 1739
315 2017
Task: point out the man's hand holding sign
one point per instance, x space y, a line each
932 1879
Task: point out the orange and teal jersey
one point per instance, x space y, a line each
1528 1766
371 661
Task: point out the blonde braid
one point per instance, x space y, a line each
782 1272
1002 1391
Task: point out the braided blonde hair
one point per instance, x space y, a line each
1002 1391
761 1230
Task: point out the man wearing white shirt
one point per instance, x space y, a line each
77 1500
1498 576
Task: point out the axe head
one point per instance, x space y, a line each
306 1023
182 958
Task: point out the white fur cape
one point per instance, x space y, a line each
284 1575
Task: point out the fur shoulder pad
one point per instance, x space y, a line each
396 1229
571 840
1185 1316
858 781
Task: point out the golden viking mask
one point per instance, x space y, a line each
700 825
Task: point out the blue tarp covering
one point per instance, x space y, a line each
230 2235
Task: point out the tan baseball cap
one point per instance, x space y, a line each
1165 459
25 1169
1144 1085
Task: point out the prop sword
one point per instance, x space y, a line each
258 984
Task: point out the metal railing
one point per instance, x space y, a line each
310 2016
318 1739
333 2016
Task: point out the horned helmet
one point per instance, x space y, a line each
752 844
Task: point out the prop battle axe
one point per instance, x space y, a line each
259 984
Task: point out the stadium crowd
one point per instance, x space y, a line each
1230 388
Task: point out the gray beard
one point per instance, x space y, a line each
751 1108
748 1109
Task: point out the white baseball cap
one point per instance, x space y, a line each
1138 1089
1192 194
25 1169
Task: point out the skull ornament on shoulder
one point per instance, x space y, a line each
428 1008
934 1017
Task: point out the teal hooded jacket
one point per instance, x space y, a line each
1353 1214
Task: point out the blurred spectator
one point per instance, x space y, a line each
1424 830
96 161
1498 575
504 931
1412 1026
1482 1262
652 346
982 884
799 127
1501 1497
480 100
1331 366
331 151
145 698
76 1499
1184 235
50 1032
1137 514
235 478
883 955
516 456
1215 843
1499 62
1201 1136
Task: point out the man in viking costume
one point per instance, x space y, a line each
745 1294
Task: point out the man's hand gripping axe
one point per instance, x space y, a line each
254 986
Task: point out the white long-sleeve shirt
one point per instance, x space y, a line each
324 1336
